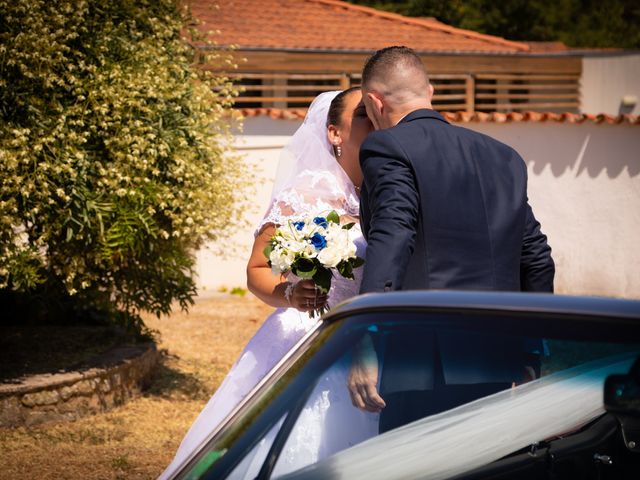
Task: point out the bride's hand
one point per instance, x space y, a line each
305 296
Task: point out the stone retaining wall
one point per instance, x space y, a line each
68 396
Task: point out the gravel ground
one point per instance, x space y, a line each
137 440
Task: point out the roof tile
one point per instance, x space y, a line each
336 25
475 117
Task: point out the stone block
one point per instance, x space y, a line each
66 393
105 385
46 397
84 387
10 412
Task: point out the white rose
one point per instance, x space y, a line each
330 256
340 240
281 260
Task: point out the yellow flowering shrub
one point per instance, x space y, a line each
115 162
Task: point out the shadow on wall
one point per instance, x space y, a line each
571 148
586 149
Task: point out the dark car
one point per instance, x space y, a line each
524 375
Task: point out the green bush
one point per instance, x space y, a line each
114 156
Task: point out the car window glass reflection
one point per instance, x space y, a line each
446 444
425 371
438 380
328 422
252 462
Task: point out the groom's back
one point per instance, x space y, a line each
471 204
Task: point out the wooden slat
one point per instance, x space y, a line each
451 106
520 86
289 76
289 88
451 86
525 96
526 106
441 76
470 93
449 96
448 86
528 77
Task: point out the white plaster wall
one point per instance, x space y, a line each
584 187
606 79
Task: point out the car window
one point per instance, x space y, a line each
480 432
438 377
328 422
250 465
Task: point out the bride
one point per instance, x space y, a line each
319 171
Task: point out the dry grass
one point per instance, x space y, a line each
137 440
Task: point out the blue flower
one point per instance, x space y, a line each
321 222
318 241
298 225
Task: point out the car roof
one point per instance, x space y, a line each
462 301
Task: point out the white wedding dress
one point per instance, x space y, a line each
328 424
309 182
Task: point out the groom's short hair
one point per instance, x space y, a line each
384 63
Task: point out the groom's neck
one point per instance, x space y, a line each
396 115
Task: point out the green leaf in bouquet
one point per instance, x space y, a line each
345 269
322 279
304 268
348 226
356 262
333 217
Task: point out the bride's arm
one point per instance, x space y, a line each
271 288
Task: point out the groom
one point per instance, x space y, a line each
442 207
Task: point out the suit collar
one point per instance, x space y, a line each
422 113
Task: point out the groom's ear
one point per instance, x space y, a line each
375 100
431 90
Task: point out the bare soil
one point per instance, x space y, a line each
138 439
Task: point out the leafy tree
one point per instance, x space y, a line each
113 157
578 23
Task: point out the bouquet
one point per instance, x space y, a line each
314 248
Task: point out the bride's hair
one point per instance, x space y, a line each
336 109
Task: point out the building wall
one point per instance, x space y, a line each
584 187
606 79
222 266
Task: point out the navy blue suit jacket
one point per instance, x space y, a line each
444 207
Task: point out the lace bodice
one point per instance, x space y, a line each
315 192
